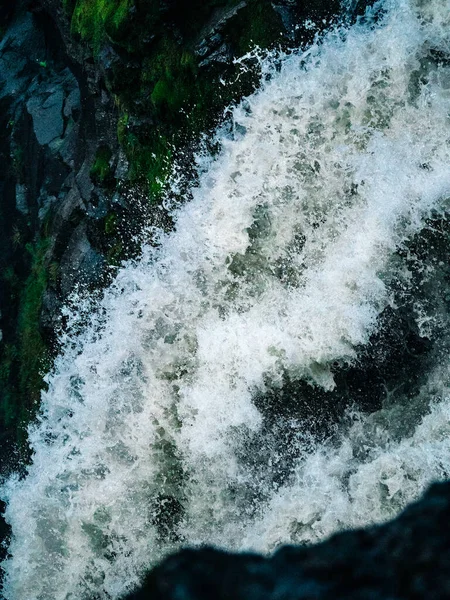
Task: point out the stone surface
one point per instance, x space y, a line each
80 262
45 108
51 125
406 558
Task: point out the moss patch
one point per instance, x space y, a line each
32 351
26 358
156 75
101 169
94 20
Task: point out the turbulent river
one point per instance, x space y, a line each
277 368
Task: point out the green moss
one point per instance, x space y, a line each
115 254
161 92
101 170
122 127
171 71
25 358
161 80
150 159
17 162
32 351
94 20
9 355
69 6
110 223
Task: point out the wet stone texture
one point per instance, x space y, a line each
406 558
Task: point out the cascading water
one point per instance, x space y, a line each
303 232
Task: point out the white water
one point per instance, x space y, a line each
281 262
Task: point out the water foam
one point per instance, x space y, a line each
281 263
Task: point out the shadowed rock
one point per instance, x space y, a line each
406 558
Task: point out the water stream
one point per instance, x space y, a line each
188 410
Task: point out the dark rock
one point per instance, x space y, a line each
224 54
45 108
21 199
50 310
21 49
211 47
67 148
54 115
222 17
406 558
287 13
208 44
80 262
72 105
122 167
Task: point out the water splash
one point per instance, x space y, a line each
281 264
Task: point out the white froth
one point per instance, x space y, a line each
281 261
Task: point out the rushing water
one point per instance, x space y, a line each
323 212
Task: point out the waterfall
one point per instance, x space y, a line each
302 232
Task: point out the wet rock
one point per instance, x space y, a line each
67 146
45 108
21 49
50 310
287 12
224 54
80 262
406 558
52 120
208 44
72 104
212 48
122 167
21 199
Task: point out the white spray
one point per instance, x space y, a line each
280 263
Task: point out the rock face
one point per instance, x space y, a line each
53 120
406 558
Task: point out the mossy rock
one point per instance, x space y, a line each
101 169
95 20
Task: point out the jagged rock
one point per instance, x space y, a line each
51 124
208 44
21 49
67 148
80 262
45 108
212 48
50 310
404 559
122 166
224 54
222 17
286 11
21 199
50 102
72 104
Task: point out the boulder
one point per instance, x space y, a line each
406 558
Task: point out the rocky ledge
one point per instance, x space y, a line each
406 558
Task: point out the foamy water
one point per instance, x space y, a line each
282 263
